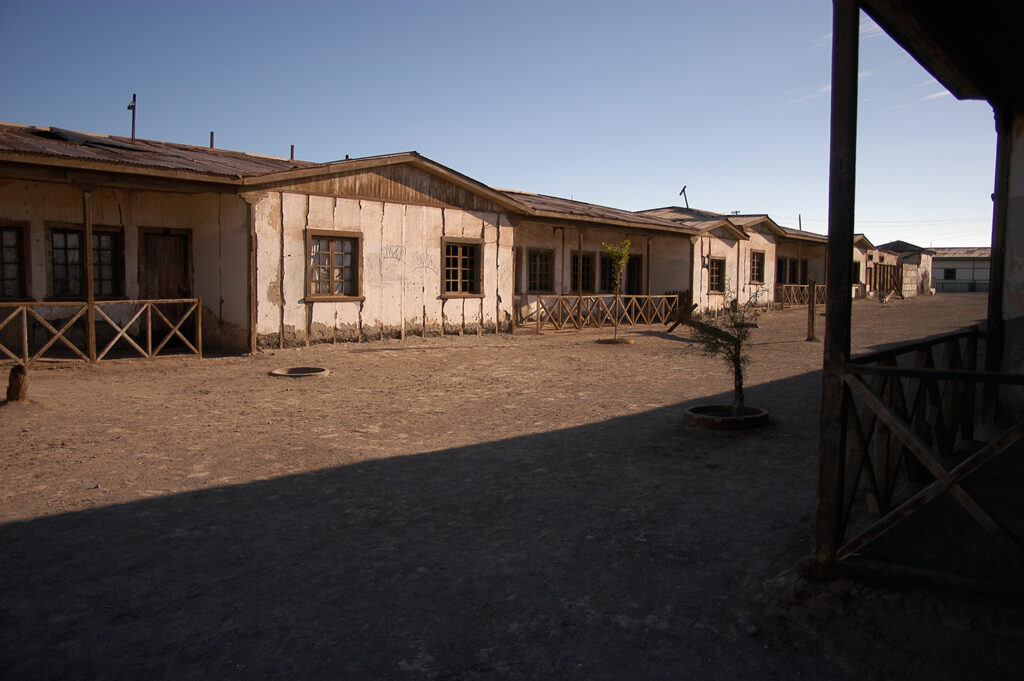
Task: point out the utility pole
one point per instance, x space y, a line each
131 107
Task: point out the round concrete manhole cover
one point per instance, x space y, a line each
300 372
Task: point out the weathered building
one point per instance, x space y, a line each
915 267
957 270
279 251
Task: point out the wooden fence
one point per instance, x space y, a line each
21 324
798 294
912 411
561 312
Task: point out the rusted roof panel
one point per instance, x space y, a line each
967 253
72 145
801 234
552 206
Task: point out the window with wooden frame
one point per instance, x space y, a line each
462 267
949 273
588 272
67 262
13 262
540 271
332 265
757 267
716 275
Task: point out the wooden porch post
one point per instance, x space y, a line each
579 262
90 293
997 267
648 282
842 179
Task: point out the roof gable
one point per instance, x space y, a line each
405 178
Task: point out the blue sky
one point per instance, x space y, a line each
617 103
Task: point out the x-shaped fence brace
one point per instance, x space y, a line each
580 311
945 481
147 307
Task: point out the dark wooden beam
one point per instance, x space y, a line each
997 263
828 529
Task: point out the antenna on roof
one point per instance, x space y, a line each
131 107
735 212
682 193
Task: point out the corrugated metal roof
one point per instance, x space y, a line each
72 145
683 215
802 234
553 206
974 253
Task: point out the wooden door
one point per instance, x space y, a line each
167 273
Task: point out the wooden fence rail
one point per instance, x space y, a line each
911 427
798 294
561 312
22 323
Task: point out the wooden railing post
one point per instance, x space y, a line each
149 330
199 328
811 312
24 336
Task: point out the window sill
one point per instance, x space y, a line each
334 299
446 296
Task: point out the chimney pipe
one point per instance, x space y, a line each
293 153
211 139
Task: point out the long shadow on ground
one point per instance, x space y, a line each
625 549
613 550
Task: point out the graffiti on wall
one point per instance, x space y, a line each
415 260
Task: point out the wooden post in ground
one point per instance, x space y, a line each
812 287
828 523
17 384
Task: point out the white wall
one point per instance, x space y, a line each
400 269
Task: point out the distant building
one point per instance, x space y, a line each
956 270
915 267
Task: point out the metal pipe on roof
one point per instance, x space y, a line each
131 107
211 139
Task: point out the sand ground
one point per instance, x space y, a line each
451 508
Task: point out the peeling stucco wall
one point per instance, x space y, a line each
400 267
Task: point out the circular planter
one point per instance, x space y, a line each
300 372
719 417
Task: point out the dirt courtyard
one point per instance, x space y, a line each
477 507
